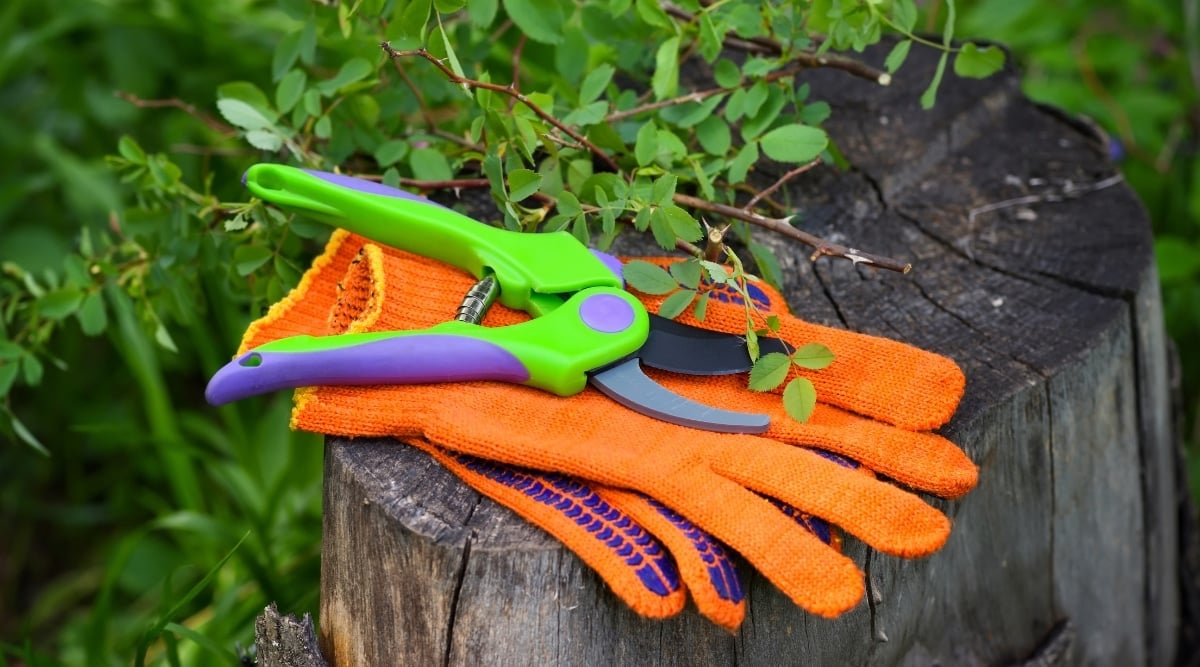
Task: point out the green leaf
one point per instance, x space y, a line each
587 115
60 303
815 113
247 258
714 135
93 319
568 204
769 371
265 140
323 127
286 53
451 56
701 307
800 399
242 115
727 74
711 40
26 435
897 55
289 90
742 163
595 82
352 71
768 264
130 150
665 80
973 62
449 6
686 273
429 164
8 375
794 143
10 351
652 13
648 278
245 91
660 227
664 189
390 152
904 13
766 114
813 356
414 15
32 369
929 97
675 304
682 224
163 338
541 20
482 12
646 144
522 183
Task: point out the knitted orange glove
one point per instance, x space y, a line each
720 482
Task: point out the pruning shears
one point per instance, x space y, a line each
585 327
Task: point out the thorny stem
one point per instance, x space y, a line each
505 90
782 226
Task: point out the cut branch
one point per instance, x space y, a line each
509 91
781 226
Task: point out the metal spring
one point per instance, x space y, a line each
477 301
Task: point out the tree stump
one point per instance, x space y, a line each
1030 269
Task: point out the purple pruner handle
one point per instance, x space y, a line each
404 359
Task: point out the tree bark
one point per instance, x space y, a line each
1066 553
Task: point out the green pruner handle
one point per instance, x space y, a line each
528 267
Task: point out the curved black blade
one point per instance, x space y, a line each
626 384
680 348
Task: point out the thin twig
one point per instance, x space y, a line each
783 226
779 183
505 90
175 103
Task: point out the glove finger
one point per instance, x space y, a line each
704 565
877 377
881 515
577 436
922 461
637 567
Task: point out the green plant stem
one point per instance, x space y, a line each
697 96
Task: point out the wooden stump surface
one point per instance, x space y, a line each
1050 307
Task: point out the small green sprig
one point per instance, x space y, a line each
684 285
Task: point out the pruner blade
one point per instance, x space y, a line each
627 384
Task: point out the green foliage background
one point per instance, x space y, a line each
141 524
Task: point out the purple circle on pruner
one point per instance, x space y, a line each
606 313
370 187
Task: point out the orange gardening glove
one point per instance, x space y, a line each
648 555
720 482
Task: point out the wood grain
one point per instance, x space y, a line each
1051 308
